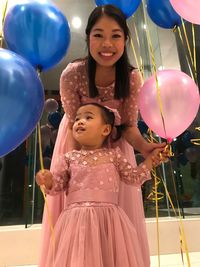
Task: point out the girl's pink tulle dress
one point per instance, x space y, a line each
74 91
93 230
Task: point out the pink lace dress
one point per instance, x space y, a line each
93 230
74 91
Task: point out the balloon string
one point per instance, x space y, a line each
140 57
194 51
4 9
159 100
140 67
187 41
135 55
43 192
183 242
186 56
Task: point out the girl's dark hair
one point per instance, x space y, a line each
123 67
109 118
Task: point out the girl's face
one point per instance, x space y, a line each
89 129
106 42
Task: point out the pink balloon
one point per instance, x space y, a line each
180 103
188 9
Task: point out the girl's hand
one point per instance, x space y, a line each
44 177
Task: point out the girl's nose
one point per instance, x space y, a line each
80 122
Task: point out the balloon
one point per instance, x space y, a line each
142 127
38 31
47 162
162 13
45 136
182 159
192 153
55 119
179 98
187 9
186 137
54 134
21 100
128 7
50 105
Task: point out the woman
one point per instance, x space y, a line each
107 78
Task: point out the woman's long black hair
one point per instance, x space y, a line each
123 67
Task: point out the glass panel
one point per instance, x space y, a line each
21 202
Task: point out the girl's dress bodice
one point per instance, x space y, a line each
94 175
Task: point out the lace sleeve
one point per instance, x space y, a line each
129 174
130 104
69 92
60 175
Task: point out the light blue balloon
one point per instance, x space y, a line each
21 100
128 7
162 13
38 31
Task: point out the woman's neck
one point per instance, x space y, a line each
104 75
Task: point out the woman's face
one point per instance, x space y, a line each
106 42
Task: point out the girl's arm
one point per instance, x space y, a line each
137 175
58 180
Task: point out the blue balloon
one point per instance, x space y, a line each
38 31
128 7
143 128
54 119
21 100
162 13
186 138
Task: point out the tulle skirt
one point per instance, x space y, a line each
94 235
130 200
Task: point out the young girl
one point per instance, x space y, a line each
93 230
107 78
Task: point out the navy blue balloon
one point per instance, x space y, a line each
128 7
162 13
38 31
143 128
186 138
54 119
21 100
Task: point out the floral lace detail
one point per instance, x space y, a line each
99 169
74 91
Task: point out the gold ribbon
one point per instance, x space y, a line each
42 188
4 9
196 141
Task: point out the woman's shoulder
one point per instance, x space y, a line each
76 67
136 79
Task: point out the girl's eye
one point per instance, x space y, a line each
76 119
88 117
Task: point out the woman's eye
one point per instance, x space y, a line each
116 36
98 35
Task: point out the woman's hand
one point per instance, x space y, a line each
157 156
148 148
44 177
